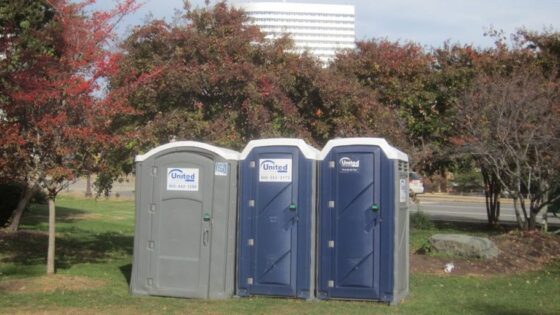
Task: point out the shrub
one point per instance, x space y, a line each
10 194
419 220
468 181
9 197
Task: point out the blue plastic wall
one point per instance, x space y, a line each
274 242
359 225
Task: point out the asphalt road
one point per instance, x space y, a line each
466 210
438 206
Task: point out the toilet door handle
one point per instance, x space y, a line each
205 237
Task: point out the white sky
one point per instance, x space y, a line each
428 22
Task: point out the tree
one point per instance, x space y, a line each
215 78
54 127
213 83
406 79
454 71
531 52
509 121
23 26
545 45
335 105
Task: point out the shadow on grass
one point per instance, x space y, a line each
75 247
39 214
126 271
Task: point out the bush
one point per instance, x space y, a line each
9 197
468 181
419 220
40 197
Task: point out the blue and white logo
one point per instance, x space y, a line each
270 165
178 174
347 165
275 170
183 179
348 162
221 169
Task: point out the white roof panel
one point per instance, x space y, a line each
391 152
223 152
307 150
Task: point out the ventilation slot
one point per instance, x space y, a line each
403 166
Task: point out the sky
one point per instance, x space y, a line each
428 22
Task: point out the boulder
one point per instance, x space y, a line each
463 246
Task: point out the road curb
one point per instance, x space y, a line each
458 198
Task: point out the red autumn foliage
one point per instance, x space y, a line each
55 118
54 124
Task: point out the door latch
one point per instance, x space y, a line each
206 217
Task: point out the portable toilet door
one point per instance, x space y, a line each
362 220
276 249
184 243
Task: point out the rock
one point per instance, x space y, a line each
463 246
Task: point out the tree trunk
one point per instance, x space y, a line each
21 206
443 183
88 186
492 191
436 183
545 221
532 219
544 211
50 255
517 213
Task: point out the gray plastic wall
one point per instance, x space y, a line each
184 241
401 255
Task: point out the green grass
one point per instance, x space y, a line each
95 241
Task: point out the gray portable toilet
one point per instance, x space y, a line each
363 221
186 212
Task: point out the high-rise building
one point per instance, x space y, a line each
320 29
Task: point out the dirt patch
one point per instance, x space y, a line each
118 218
519 252
83 216
47 284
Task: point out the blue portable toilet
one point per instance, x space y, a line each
276 241
362 221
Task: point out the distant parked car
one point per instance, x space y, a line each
415 184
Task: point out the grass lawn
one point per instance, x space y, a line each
94 254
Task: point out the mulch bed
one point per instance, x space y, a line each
520 251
